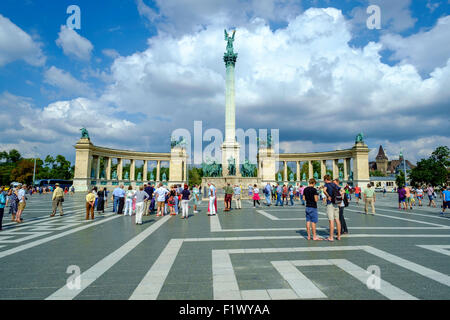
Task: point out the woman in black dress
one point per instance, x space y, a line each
101 200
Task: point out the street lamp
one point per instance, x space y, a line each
404 165
34 169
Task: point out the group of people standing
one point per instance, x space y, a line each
336 201
412 196
144 200
16 199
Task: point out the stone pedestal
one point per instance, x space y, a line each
82 174
361 165
267 164
230 150
178 159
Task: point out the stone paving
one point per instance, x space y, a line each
259 253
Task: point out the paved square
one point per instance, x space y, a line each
246 254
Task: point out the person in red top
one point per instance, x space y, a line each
285 193
357 194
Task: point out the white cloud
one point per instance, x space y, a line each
304 79
16 44
179 17
73 44
426 49
55 128
111 53
66 82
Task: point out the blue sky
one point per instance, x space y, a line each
145 68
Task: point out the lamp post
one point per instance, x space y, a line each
404 166
34 169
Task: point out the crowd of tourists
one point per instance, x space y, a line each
409 197
145 200
163 200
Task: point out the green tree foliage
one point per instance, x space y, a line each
400 179
377 173
15 168
433 170
23 172
195 176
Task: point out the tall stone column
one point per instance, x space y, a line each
230 148
108 168
298 171
346 166
335 169
132 170
158 171
120 169
285 171
310 170
323 168
97 170
145 171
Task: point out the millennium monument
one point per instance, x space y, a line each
230 148
94 166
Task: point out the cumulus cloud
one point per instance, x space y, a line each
66 82
111 53
304 79
16 44
185 16
426 49
73 44
55 128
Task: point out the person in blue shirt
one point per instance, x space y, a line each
116 194
332 208
2 206
445 200
268 194
279 195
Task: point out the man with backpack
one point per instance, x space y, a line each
369 198
334 199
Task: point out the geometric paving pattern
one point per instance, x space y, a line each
248 254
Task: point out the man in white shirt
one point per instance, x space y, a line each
22 202
160 199
212 198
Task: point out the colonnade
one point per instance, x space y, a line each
323 169
88 165
355 164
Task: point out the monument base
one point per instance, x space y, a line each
230 150
221 182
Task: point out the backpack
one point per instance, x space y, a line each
336 197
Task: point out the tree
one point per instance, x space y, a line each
432 170
377 173
14 156
442 155
400 179
195 176
23 172
61 168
